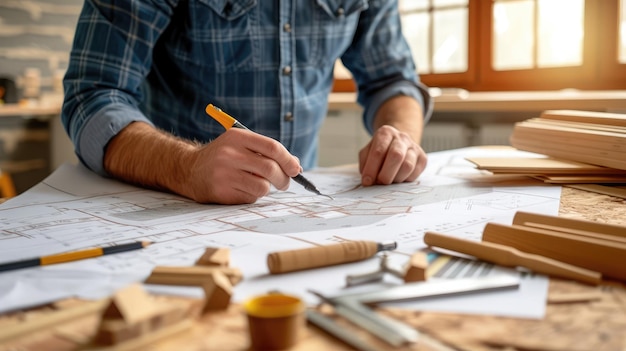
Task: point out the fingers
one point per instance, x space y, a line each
391 157
273 150
239 167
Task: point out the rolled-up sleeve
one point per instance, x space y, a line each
381 63
110 58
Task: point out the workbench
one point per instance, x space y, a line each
578 317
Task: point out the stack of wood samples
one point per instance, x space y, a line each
596 138
550 170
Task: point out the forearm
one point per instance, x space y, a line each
403 113
143 155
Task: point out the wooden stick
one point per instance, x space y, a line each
522 218
511 257
50 319
603 256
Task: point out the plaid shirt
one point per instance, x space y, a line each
268 63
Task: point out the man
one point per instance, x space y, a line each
142 71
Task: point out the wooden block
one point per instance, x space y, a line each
130 304
606 257
218 292
416 269
190 275
133 313
215 257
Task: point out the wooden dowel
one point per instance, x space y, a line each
606 257
521 218
511 257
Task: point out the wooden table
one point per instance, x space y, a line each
579 317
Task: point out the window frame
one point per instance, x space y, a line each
600 69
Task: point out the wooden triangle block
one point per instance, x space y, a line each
132 313
218 291
131 304
215 257
416 269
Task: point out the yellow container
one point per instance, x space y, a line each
275 321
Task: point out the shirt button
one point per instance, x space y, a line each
287 70
288 117
340 11
287 27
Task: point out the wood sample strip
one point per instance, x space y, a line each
605 118
538 165
580 179
545 128
547 148
510 257
562 138
522 218
584 126
602 256
49 319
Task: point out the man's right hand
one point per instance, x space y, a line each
238 167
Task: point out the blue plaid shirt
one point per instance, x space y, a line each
267 63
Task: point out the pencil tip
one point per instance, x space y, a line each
146 243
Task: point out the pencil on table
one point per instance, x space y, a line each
72 256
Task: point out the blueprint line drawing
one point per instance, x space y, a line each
75 209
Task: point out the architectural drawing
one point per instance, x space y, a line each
75 209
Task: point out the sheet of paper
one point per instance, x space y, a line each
74 209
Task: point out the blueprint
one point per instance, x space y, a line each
76 209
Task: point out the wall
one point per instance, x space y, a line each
35 37
36 34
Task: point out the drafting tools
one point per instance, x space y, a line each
439 287
511 257
385 267
391 331
72 256
354 307
414 271
331 327
229 122
323 256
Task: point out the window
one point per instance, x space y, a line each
499 45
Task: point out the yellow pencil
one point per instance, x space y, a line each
229 122
72 256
